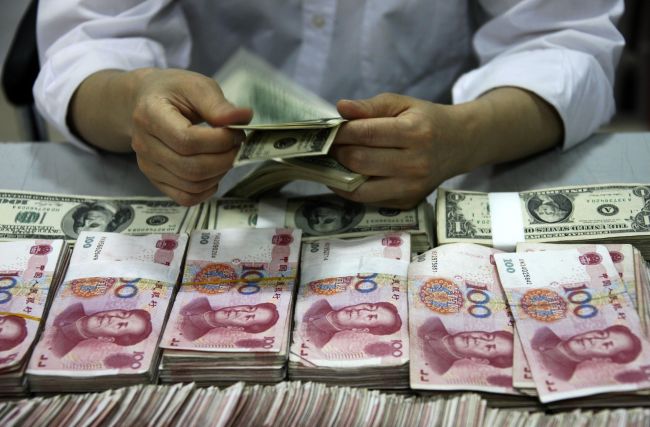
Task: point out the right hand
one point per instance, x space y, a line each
184 160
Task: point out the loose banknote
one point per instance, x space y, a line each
61 216
351 311
603 213
580 332
28 270
237 291
461 328
107 316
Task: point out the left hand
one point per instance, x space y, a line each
407 146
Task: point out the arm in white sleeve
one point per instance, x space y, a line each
563 51
77 38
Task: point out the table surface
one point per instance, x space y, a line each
62 168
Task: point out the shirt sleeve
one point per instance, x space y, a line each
563 51
77 38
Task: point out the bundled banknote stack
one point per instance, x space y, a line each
30 270
231 319
288 403
560 322
608 213
351 317
62 216
107 316
324 216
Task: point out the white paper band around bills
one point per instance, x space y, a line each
126 269
352 267
271 213
507 220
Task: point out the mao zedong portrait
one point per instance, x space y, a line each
442 349
323 322
199 318
121 327
615 344
13 331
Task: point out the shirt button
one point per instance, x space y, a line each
318 21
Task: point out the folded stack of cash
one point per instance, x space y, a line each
324 216
61 216
30 270
107 317
231 319
291 132
609 213
351 312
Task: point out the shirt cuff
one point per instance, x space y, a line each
64 71
572 82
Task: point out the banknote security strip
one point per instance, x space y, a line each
507 220
271 212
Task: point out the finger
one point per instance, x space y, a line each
379 132
183 198
159 173
165 121
375 190
193 168
383 105
371 161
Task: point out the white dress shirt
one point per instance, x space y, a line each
438 50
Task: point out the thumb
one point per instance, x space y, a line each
383 105
208 102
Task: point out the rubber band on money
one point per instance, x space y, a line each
262 280
271 213
24 316
507 220
130 269
352 267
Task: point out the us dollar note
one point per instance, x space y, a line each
56 216
285 143
607 213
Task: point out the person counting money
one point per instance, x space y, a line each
128 76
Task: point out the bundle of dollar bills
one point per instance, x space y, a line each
607 213
291 133
324 216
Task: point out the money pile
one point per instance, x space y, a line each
29 270
324 216
351 312
576 322
289 403
611 213
61 216
291 132
460 323
572 314
232 315
106 318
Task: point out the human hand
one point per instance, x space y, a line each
407 146
184 160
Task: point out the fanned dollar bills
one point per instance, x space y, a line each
107 317
291 132
232 315
606 213
324 216
61 216
351 312
30 270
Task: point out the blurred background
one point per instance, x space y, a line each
632 89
